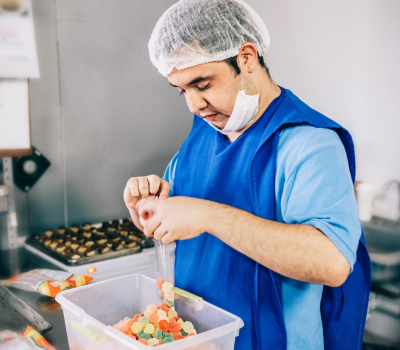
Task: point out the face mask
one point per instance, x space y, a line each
244 111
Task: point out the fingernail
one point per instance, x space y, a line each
162 197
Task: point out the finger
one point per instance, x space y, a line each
154 182
164 189
146 207
143 186
128 198
132 184
167 238
160 232
151 225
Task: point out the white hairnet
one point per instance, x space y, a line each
193 32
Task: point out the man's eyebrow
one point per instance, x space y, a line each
194 81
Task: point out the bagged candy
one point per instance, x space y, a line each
46 282
165 269
31 339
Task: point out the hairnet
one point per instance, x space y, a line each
193 32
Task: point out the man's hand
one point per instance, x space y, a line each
138 188
174 218
296 251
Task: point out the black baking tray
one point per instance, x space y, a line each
83 260
16 315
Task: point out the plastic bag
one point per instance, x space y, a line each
46 282
165 269
30 340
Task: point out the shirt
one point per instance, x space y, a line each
313 186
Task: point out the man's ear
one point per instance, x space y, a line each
248 57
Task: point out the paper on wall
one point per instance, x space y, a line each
18 55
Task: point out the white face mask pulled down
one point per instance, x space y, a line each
244 111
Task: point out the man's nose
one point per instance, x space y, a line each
195 102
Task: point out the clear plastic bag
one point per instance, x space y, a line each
46 282
30 340
165 270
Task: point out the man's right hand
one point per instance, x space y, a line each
138 188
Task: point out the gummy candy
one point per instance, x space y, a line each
167 287
145 335
177 335
160 325
149 328
136 327
147 311
143 321
166 335
163 325
153 341
174 326
124 326
169 303
151 307
172 313
168 340
163 318
159 283
188 327
170 296
159 333
153 317
164 307
161 313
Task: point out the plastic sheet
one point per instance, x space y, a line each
46 282
30 340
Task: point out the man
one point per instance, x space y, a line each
261 198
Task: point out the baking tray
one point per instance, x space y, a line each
16 315
84 260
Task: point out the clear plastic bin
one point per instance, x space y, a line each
89 310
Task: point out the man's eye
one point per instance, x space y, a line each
204 87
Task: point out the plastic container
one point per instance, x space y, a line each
89 310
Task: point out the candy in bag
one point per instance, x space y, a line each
46 282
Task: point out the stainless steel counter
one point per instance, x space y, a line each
13 262
20 260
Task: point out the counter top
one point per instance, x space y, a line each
15 261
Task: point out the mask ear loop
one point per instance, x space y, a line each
240 66
255 80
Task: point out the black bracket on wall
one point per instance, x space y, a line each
28 170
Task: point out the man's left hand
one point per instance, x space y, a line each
174 218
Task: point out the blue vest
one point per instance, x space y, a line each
242 174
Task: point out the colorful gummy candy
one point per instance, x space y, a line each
157 325
166 292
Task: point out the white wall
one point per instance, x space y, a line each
100 117
343 59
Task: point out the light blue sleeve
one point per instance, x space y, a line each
313 186
169 174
